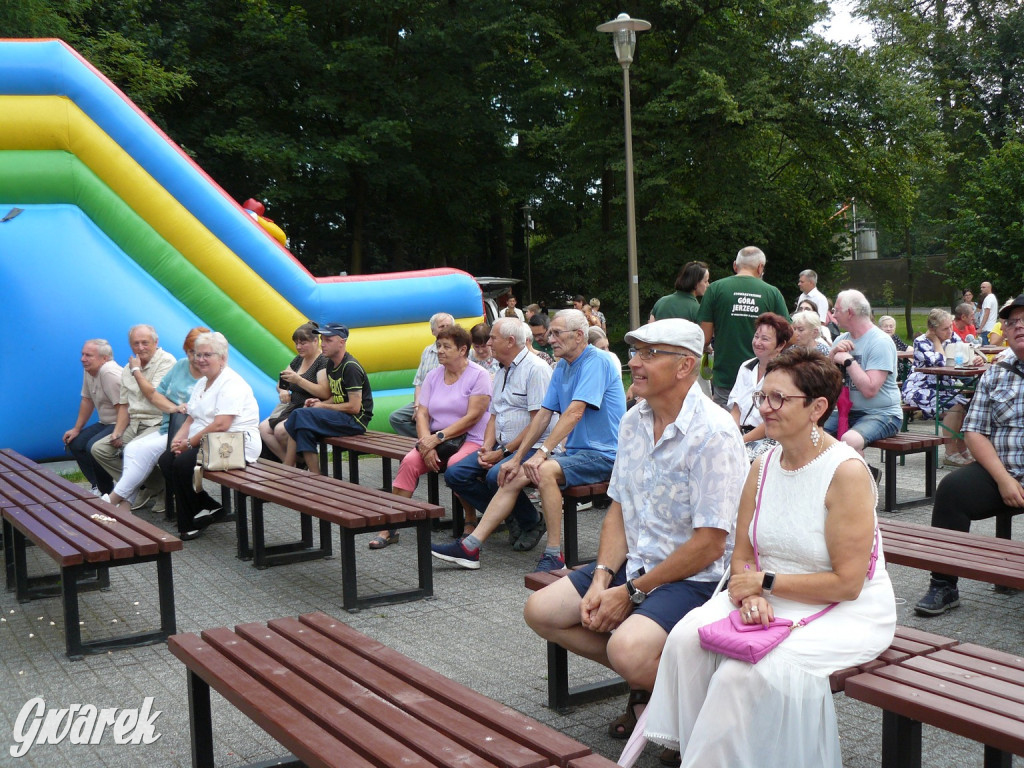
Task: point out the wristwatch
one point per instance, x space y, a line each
848 362
636 595
768 583
439 436
545 451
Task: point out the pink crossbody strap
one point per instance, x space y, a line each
757 560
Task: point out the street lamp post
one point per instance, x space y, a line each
624 30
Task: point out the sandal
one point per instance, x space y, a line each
670 757
380 541
622 726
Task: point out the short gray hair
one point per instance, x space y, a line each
514 328
575 320
437 318
103 348
751 256
936 317
855 301
215 342
150 328
810 273
964 310
594 333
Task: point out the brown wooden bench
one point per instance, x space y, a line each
353 508
85 537
908 642
968 690
335 697
390 448
984 558
898 446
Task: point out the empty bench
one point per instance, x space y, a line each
968 690
335 697
899 446
353 508
85 537
969 555
907 643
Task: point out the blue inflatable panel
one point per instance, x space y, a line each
64 282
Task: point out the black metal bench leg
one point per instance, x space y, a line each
259 540
890 480
244 551
424 560
9 554
558 677
165 591
901 741
570 543
336 462
931 461
353 468
322 458
200 717
72 629
996 758
20 567
1004 525
349 591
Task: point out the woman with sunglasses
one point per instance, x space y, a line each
810 545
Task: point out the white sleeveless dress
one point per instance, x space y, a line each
723 712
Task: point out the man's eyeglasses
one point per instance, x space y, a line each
1013 323
558 333
648 353
775 399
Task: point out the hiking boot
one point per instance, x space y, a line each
550 563
528 539
454 552
940 598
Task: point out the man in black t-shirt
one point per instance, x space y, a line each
348 410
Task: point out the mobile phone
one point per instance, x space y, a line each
282 383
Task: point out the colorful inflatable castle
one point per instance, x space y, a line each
105 222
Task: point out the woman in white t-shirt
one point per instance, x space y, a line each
221 401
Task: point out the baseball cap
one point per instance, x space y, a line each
673 331
334 329
1004 312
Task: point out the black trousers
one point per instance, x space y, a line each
965 495
178 471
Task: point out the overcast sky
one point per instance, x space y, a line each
842 28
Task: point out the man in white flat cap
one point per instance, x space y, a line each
668 535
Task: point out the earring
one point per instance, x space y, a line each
815 435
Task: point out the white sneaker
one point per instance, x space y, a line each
958 460
94 491
106 497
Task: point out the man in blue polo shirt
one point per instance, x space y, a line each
586 391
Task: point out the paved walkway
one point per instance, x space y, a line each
471 631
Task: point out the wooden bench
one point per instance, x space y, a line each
908 642
335 697
972 556
353 508
968 690
389 447
85 537
900 445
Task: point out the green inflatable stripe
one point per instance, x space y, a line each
48 177
385 380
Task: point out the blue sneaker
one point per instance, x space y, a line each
454 552
550 563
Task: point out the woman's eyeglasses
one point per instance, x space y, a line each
775 399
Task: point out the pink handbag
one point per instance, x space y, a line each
752 642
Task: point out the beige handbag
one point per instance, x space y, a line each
218 451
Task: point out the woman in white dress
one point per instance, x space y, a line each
815 536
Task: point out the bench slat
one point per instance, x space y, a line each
549 742
1007 692
419 724
102 534
58 539
931 708
317 748
140 530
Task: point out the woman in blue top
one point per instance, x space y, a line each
170 396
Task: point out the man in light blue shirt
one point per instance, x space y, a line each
586 391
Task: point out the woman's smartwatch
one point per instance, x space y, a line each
768 583
439 436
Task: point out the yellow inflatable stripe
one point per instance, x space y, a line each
55 122
394 347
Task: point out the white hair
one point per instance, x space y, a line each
150 328
437 318
854 301
575 320
215 342
514 328
750 257
103 348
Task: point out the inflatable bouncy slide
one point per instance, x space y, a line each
105 222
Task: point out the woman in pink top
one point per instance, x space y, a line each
453 402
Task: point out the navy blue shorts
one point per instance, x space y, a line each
665 606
